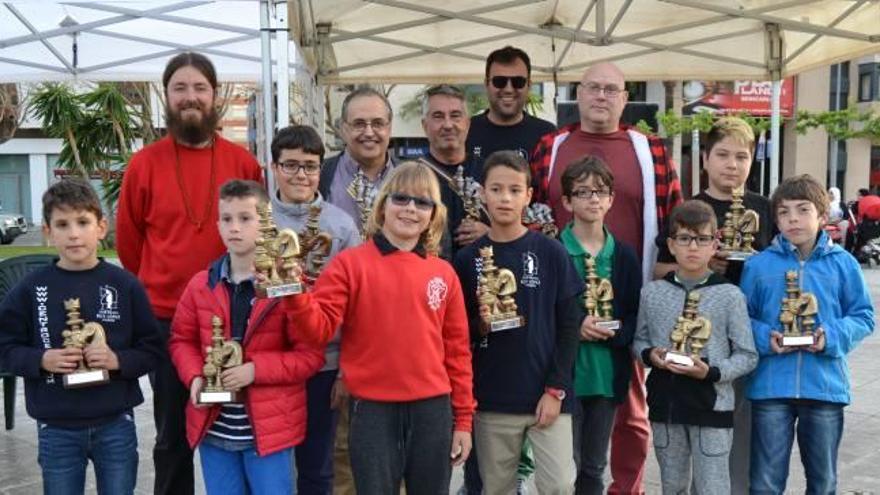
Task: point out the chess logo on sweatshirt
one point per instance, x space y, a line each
108 297
530 277
437 290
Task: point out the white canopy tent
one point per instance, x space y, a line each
397 41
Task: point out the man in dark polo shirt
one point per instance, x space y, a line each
646 189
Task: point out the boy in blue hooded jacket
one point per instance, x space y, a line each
802 389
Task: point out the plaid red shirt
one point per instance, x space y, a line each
667 187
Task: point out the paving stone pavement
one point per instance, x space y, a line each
859 452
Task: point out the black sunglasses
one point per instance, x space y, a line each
500 82
400 199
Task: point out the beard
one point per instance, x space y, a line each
505 112
192 131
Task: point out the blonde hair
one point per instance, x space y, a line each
734 128
413 178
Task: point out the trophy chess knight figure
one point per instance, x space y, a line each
276 257
690 333
797 314
739 229
79 335
599 298
314 245
363 192
496 290
220 355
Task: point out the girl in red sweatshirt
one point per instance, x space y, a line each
405 353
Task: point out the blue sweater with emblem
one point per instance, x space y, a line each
33 317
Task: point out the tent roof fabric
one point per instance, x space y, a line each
428 41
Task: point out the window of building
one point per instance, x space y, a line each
868 82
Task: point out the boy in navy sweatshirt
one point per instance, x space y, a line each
95 422
522 376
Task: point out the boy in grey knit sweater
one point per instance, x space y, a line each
691 407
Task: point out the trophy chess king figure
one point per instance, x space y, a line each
599 298
80 335
797 314
496 289
739 229
276 248
220 355
363 193
314 245
690 333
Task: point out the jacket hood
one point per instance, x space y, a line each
824 246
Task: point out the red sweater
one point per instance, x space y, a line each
404 326
276 401
155 238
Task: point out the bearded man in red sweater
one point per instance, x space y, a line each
166 232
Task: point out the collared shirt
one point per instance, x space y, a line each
386 248
346 171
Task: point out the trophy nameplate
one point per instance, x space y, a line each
599 297
219 356
274 247
739 230
797 314
496 289
80 334
690 333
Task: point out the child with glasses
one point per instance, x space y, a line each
691 406
603 366
297 154
404 341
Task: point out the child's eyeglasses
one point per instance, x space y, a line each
400 199
590 193
685 240
292 167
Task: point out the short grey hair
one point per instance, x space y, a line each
365 91
444 90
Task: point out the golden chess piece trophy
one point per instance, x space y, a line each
469 192
739 229
496 289
276 247
314 244
690 334
540 215
219 356
79 335
599 298
797 314
363 193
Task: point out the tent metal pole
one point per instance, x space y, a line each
268 120
695 162
774 133
282 36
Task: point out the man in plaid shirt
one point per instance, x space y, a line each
646 190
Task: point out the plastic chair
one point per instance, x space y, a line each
12 271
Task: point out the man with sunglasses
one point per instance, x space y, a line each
366 131
504 125
646 190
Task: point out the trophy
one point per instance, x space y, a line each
275 246
739 229
220 355
363 193
314 245
598 298
469 191
79 335
541 215
797 314
496 288
689 335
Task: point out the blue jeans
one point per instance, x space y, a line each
244 472
819 426
64 454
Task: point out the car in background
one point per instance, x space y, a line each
11 226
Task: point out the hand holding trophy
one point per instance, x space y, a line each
220 355
80 335
797 314
689 335
495 292
275 259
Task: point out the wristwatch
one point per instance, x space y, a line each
555 392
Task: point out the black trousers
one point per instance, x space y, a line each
172 457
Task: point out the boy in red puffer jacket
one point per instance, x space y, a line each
245 447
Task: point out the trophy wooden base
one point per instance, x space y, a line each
678 358
506 323
798 340
220 397
612 325
284 290
85 378
739 255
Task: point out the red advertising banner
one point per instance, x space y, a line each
731 97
